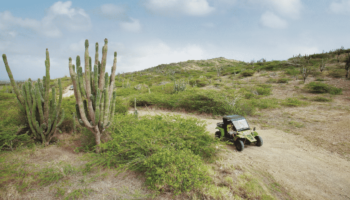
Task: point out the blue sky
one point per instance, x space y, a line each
146 33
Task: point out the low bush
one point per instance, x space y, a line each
319 87
292 72
199 82
322 99
265 91
293 102
264 103
169 150
337 74
282 80
248 73
202 101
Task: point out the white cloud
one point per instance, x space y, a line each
59 15
271 20
150 55
180 7
287 8
133 26
113 12
340 7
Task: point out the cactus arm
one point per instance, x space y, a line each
33 120
102 106
96 54
53 104
61 120
47 87
107 102
103 65
49 126
111 116
95 79
28 114
39 104
86 109
77 62
27 93
78 98
13 83
114 68
97 106
81 82
60 95
88 83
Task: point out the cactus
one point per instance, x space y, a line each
322 66
94 100
305 71
42 113
179 86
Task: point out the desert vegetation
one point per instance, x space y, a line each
169 156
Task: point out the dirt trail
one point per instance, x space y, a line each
306 171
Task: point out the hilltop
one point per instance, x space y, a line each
300 107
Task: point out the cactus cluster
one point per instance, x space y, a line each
179 86
42 113
322 66
93 91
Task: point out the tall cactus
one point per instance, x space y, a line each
94 100
42 113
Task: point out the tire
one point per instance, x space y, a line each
218 134
259 141
239 145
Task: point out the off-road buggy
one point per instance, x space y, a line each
236 129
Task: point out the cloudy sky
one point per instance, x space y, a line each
146 33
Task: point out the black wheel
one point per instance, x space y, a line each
239 145
218 134
259 141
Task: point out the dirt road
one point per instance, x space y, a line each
306 171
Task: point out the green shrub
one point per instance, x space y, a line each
248 73
337 74
319 87
202 101
264 103
322 99
9 140
263 91
199 82
293 102
169 150
292 71
319 79
121 106
282 80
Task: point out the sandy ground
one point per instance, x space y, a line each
67 92
306 171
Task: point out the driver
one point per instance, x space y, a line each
230 128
